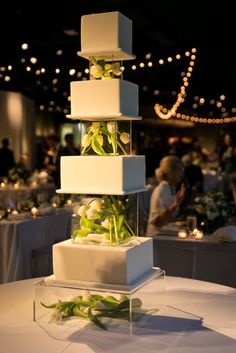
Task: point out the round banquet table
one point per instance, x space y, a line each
214 303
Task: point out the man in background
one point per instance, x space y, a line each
7 160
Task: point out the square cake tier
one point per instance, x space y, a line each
106 35
104 100
102 264
102 175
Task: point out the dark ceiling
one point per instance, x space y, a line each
163 29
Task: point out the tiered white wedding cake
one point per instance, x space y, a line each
103 102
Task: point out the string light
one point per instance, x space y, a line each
159 109
201 120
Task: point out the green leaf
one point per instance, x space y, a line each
77 312
97 147
52 306
102 63
97 297
80 233
95 320
109 301
91 226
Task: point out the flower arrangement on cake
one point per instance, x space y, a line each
100 69
103 220
96 307
104 138
213 210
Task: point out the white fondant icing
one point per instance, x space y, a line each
102 174
104 99
108 35
102 264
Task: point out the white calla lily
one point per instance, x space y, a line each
116 69
82 211
96 71
91 213
96 204
112 127
95 127
100 140
85 140
125 138
106 224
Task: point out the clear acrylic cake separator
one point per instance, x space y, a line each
144 298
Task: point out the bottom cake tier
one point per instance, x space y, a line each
121 265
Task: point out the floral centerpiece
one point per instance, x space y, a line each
104 139
213 210
103 220
18 174
100 69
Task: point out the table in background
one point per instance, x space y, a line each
10 195
215 333
26 246
199 259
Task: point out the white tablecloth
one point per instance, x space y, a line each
215 333
10 195
204 259
20 241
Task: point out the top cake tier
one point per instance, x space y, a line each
107 35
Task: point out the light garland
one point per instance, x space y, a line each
148 62
162 112
201 120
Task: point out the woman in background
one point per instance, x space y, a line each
165 200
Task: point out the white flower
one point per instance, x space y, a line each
73 298
106 224
95 127
116 69
86 295
82 211
125 138
91 213
96 71
108 67
100 140
96 204
112 127
85 140
56 315
99 306
101 69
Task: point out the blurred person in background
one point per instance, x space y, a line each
193 177
7 160
228 165
165 199
51 158
70 149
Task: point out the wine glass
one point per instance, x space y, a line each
191 223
